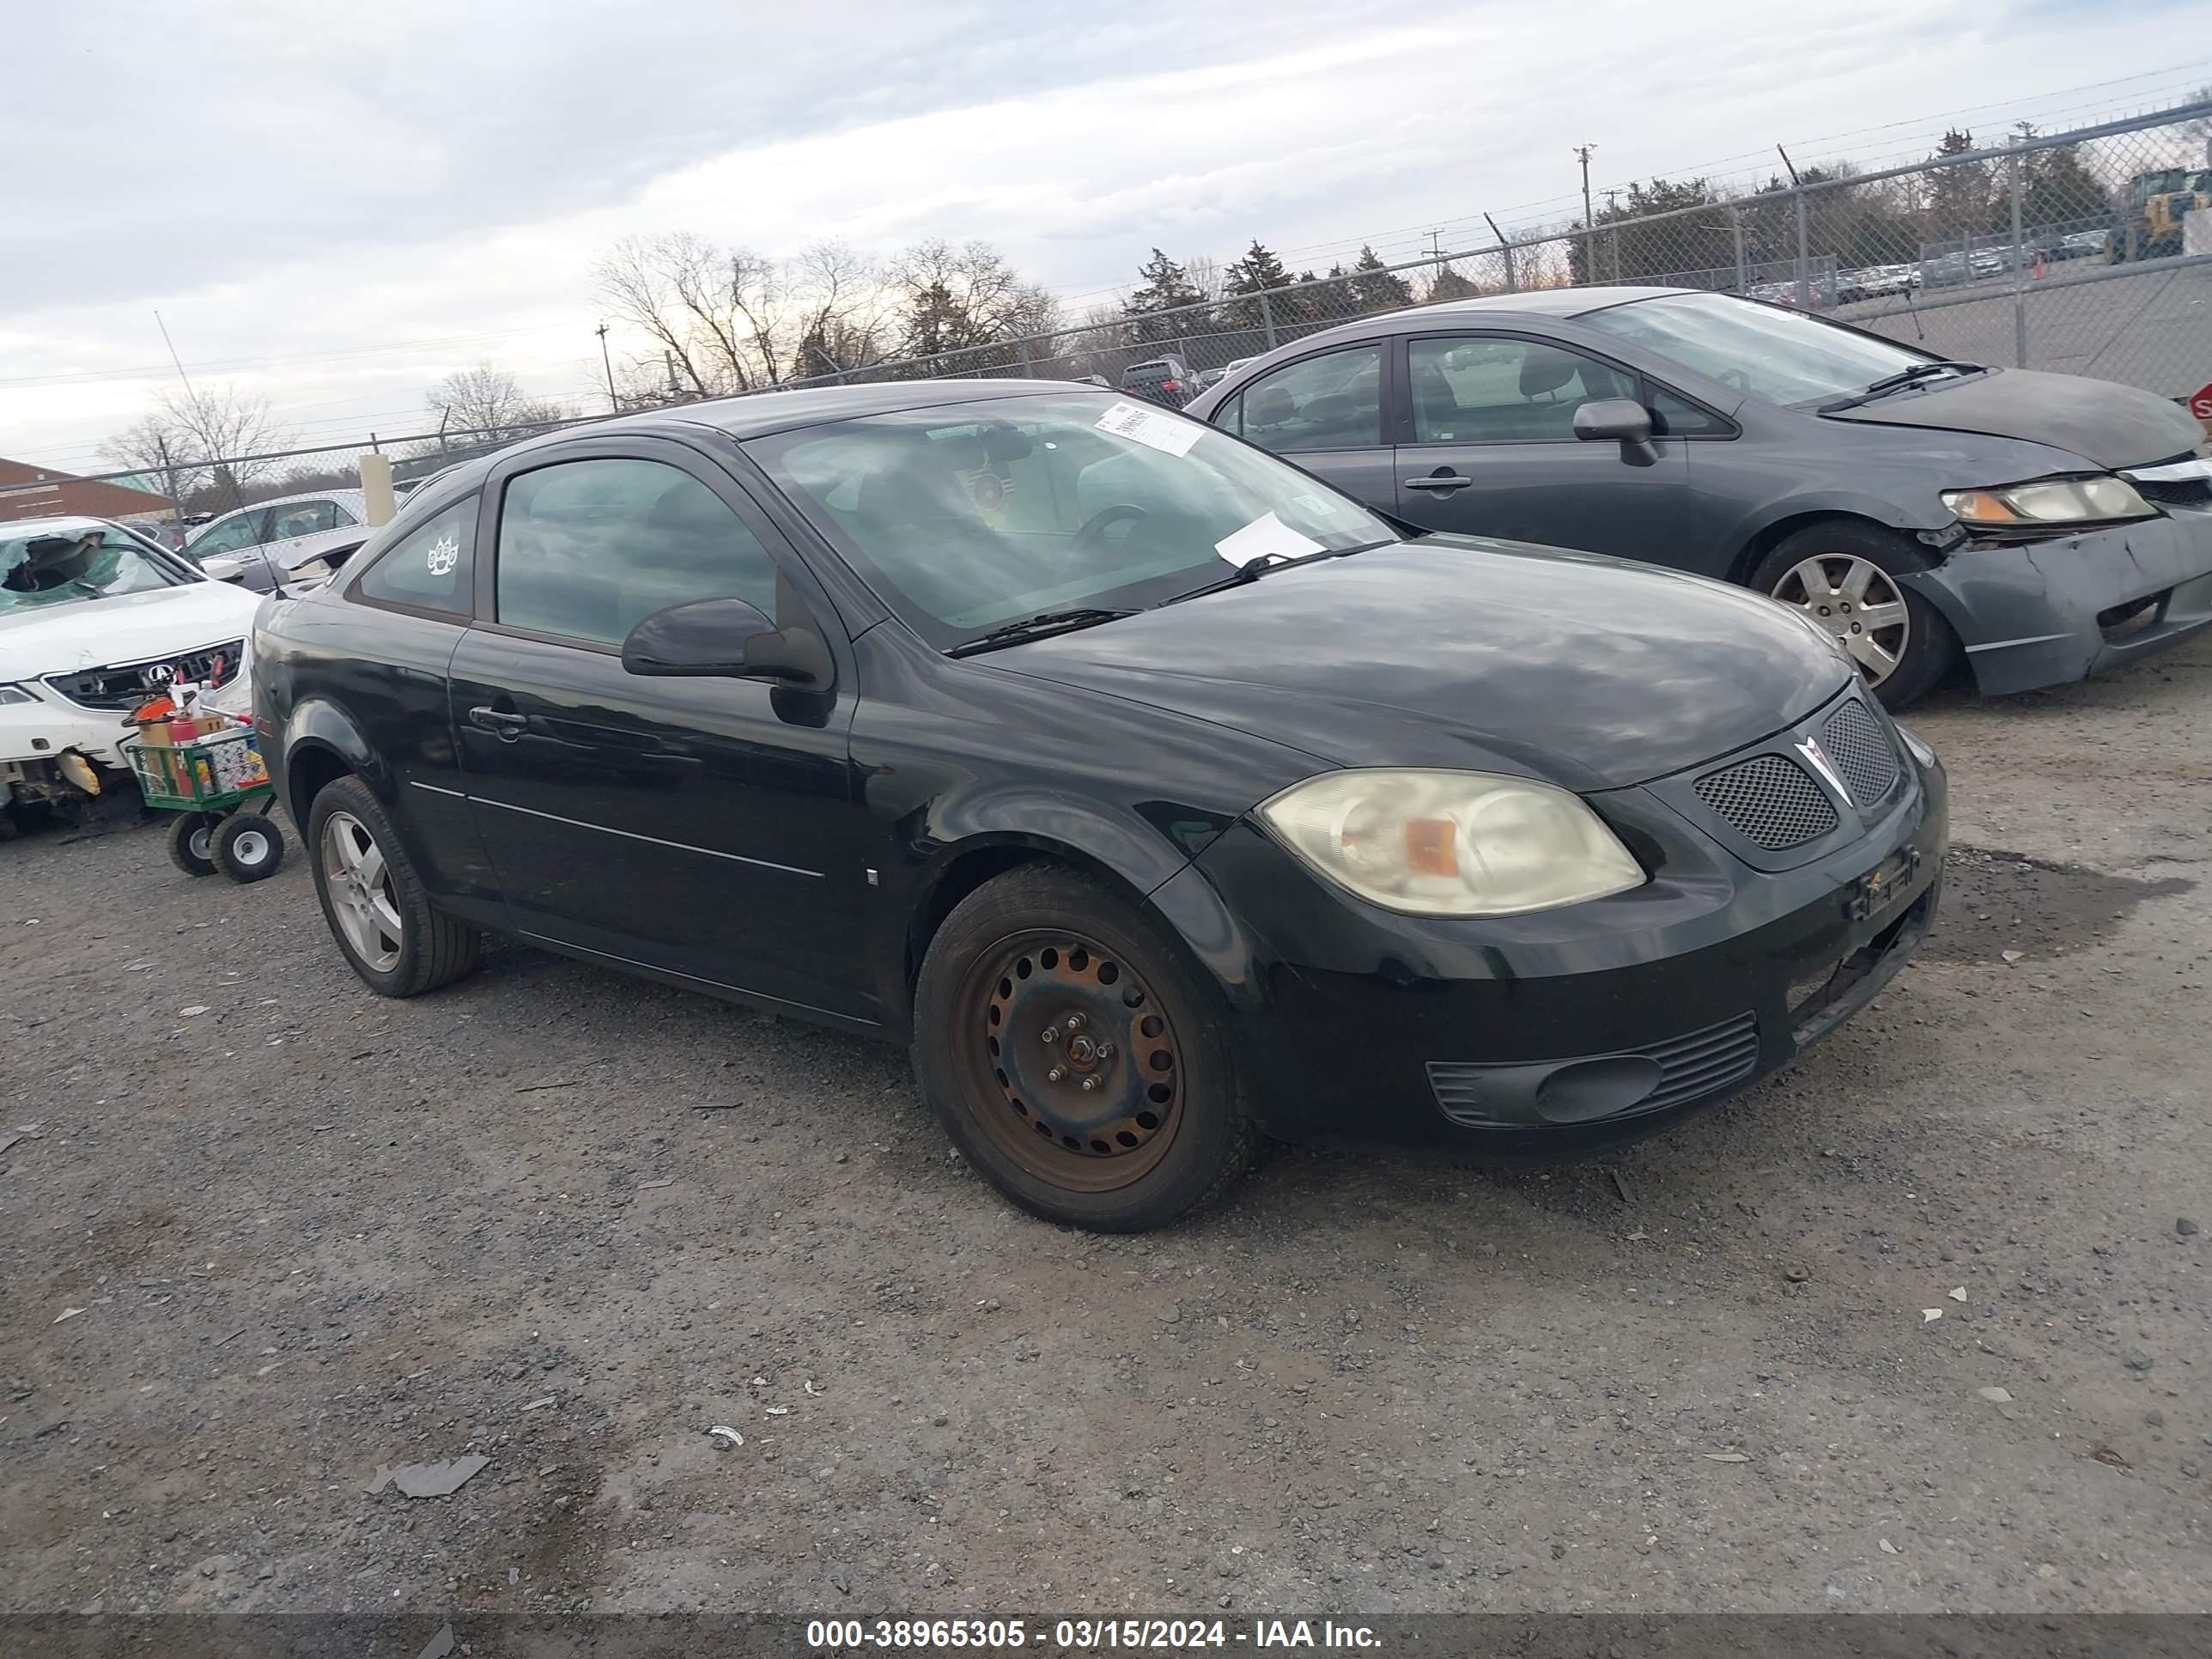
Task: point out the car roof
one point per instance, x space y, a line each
286 501
1493 310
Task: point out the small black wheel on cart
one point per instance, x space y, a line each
249 847
191 843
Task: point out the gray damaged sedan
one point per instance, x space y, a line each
2036 527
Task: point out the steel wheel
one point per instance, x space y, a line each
1071 1064
1858 602
363 902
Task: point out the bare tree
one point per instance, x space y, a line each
954 298
207 439
488 404
729 320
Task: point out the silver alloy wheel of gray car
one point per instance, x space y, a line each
1858 602
363 902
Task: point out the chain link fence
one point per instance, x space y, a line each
2070 251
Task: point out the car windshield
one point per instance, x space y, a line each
58 566
1784 357
972 515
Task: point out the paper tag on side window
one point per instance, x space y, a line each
1150 427
1266 538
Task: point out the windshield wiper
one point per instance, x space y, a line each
1902 379
1044 624
1253 570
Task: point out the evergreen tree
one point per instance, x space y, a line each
1258 273
1167 288
1374 287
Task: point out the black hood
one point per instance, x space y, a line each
1452 652
2111 426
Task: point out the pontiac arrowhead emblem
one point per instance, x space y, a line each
1817 757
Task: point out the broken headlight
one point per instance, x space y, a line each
2054 501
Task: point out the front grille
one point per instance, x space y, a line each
1770 800
1690 1066
125 685
2175 492
1704 1061
1862 751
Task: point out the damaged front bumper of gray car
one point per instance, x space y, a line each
2059 608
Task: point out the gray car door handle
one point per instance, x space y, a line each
1442 483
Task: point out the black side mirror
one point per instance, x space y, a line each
728 639
1621 419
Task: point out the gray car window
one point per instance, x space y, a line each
1769 351
1491 389
1334 401
588 550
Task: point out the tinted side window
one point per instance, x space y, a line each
301 518
432 568
1334 401
588 550
1502 390
1230 417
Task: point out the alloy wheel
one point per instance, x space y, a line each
363 902
1071 1063
1858 602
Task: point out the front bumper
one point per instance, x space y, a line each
34 736
1532 1037
2028 614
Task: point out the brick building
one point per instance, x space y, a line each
34 492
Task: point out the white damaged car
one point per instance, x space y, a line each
92 620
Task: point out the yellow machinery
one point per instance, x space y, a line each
2157 204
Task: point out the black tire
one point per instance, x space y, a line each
1166 1132
434 949
1927 650
249 847
192 842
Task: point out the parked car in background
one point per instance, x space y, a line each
1946 271
92 618
1165 380
259 546
2082 245
1874 283
2033 528
1156 792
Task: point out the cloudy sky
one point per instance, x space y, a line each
334 205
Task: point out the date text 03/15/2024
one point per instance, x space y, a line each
1082 1635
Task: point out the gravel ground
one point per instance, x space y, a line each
571 1221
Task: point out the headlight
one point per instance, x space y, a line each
15 694
2058 501
1922 750
1452 843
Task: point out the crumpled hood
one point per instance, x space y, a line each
127 628
2112 426
1456 652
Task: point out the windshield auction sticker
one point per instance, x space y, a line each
1151 427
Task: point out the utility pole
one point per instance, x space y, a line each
614 403
1590 218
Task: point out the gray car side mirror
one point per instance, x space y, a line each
1623 419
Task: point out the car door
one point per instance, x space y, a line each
1487 446
704 827
388 672
1325 413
